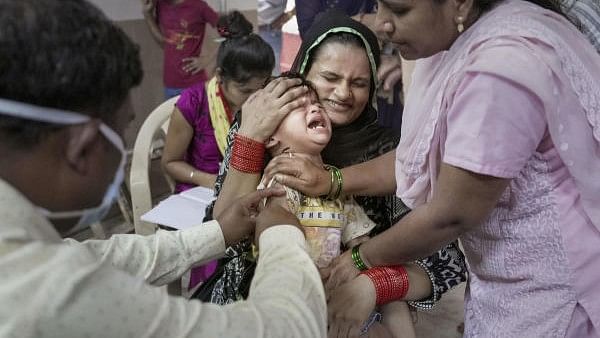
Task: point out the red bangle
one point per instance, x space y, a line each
391 282
247 155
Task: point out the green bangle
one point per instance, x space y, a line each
340 183
332 174
358 262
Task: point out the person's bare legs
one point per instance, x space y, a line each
397 320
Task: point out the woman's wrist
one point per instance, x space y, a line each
336 183
391 283
253 134
358 259
247 154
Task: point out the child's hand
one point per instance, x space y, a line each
349 306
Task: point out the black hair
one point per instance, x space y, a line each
304 82
62 54
243 54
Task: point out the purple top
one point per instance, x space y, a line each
203 152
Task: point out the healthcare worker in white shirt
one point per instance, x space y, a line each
65 76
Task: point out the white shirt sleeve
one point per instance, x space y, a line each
163 257
58 290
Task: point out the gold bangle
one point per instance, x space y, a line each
192 174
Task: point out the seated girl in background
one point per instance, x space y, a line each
334 220
202 115
196 139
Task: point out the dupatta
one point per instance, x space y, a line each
563 50
220 114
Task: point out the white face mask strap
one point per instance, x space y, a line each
41 114
113 137
55 116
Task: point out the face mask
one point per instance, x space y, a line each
89 216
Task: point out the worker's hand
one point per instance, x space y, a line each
273 214
238 221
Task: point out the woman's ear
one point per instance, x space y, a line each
219 75
465 9
272 143
83 139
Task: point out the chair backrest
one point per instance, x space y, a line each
141 197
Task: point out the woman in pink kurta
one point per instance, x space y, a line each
500 147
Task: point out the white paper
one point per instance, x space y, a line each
181 211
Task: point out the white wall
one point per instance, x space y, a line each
120 10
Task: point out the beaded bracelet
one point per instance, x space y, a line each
357 260
391 283
247 155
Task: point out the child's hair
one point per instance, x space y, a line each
311 90
243 54
305 82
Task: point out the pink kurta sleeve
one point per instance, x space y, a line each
493 126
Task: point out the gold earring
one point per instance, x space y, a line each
460 27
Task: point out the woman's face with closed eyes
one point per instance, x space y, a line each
341 74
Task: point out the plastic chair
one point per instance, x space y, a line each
141 198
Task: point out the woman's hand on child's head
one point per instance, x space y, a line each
238 221
299 172
349 306
264 110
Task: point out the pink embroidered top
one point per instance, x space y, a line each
517 96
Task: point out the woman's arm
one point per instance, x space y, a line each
350 304
261 115
372 178
462 201
179 137
149 11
